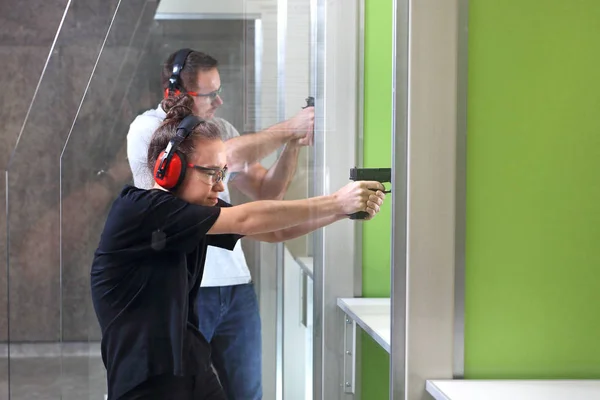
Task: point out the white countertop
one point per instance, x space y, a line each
372 315
514 389
306 263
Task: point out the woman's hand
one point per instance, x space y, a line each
360 196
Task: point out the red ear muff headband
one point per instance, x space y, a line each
170 166
175 87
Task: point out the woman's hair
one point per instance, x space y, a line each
177 108
195 62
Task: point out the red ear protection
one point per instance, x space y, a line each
170 166
174 171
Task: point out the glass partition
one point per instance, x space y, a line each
43 342
93 169
128 74
77 75
314 270
296 270
67 161
4 328
337 247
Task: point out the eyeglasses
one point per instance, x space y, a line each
212 95
214 175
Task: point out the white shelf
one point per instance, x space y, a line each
306 263
372 315
514 389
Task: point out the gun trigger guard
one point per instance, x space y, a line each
384 191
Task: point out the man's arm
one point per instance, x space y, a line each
258 183
246 150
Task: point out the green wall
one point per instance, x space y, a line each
377 145
533 190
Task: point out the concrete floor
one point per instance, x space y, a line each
40 378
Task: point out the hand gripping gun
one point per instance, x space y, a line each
370 174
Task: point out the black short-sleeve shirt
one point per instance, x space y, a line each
145 279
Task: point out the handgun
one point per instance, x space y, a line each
310 102
380 175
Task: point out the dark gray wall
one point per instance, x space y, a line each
56 159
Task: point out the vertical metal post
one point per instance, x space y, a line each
317 8
280 247
258 60
425 112
461 190
8 341
312 91
358 228
335 261
360 95
400 68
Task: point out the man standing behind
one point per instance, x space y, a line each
227 301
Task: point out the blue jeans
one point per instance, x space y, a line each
230 322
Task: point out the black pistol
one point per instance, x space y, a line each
370 174
310 102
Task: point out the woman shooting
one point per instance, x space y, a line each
148 265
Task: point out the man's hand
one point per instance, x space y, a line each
302 126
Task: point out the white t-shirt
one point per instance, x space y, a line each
223 267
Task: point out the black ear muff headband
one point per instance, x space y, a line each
175 85
170 167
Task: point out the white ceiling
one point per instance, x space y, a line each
208 9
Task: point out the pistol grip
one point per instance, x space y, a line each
359 215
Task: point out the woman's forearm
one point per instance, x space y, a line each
272 216
268 216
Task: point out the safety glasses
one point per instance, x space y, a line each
214 175
211 95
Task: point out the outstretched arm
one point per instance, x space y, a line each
263 217
245 150
373 206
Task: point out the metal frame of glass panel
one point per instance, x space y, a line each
318 22
337 268
400 115
428 194
461 190
280 247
